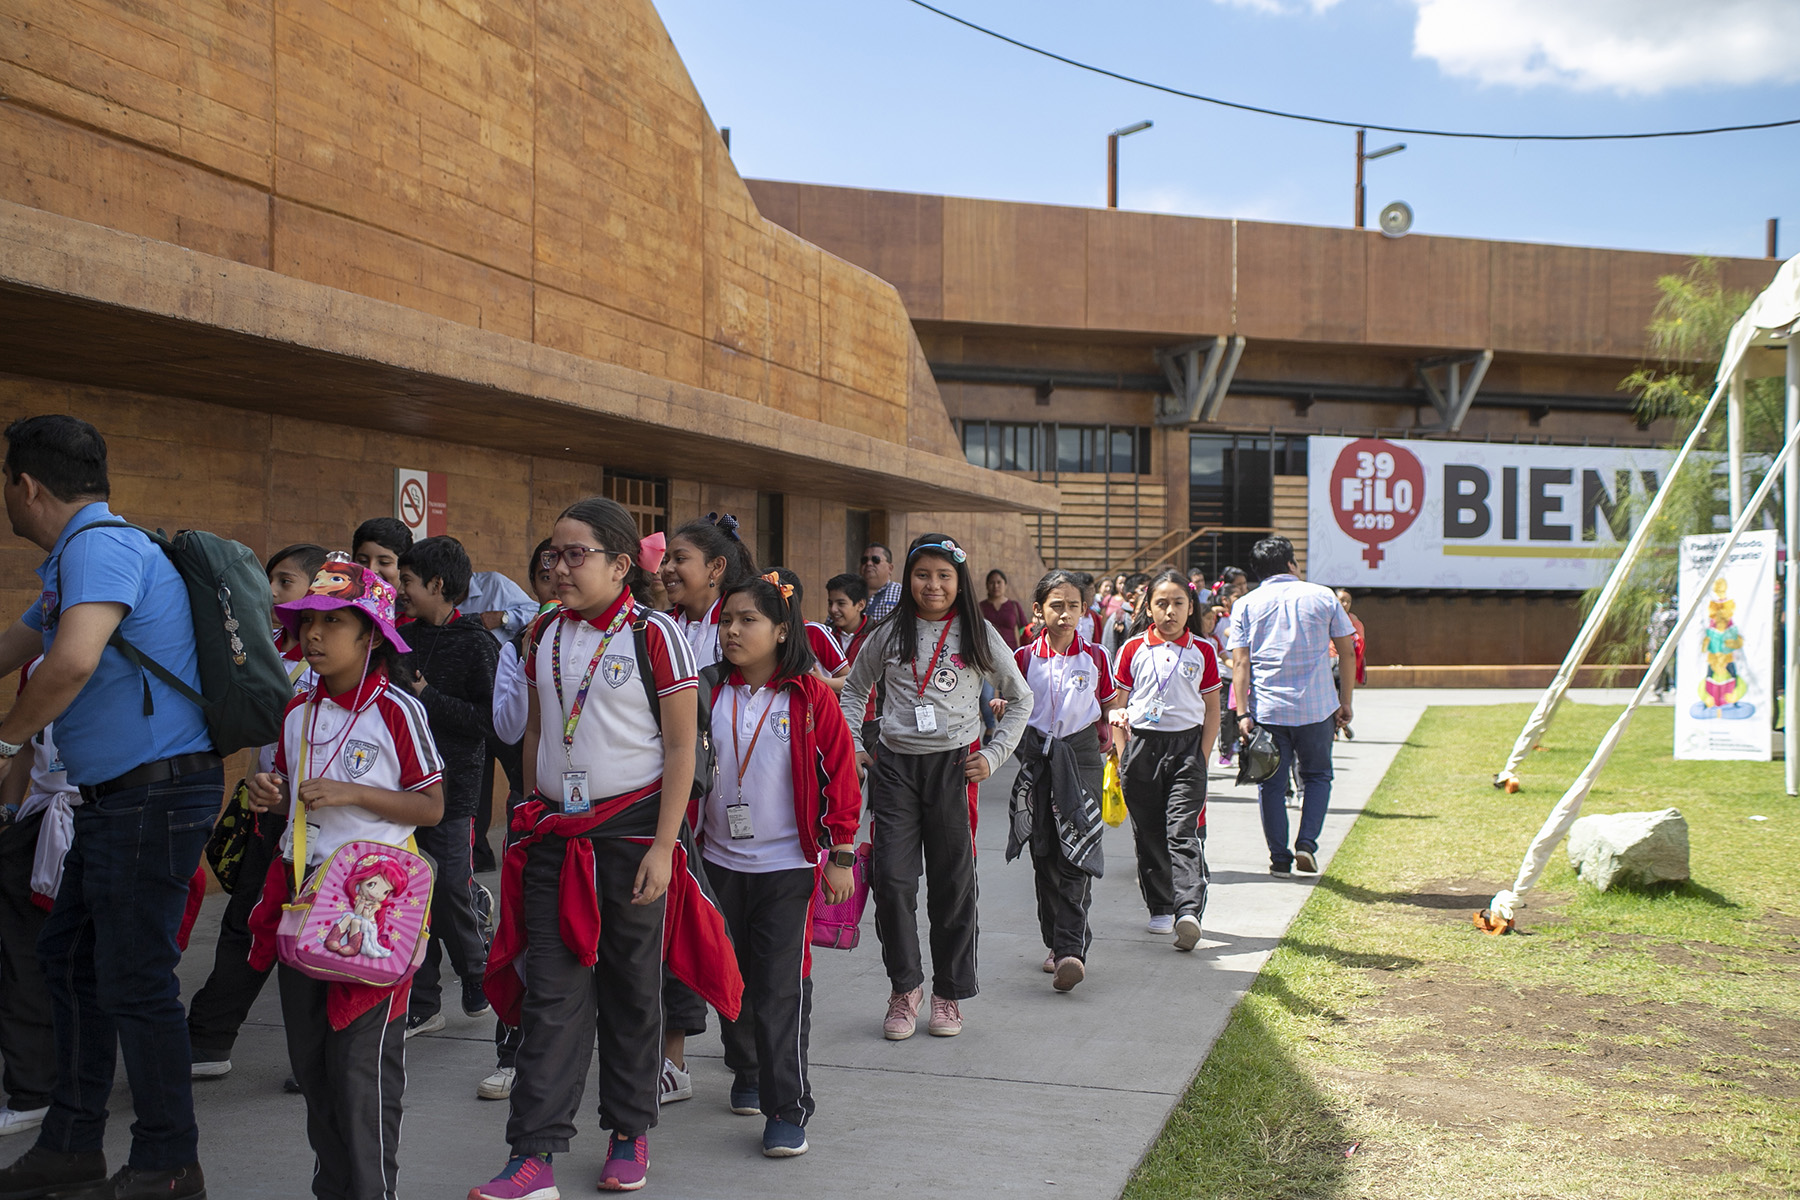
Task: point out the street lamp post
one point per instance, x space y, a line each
1112 159
1362 158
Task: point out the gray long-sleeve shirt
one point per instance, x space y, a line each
952 689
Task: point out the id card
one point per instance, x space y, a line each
1154 710
925 717
737 818
575 797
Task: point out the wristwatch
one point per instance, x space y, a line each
9 749
843 858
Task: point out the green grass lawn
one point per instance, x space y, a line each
1619 1045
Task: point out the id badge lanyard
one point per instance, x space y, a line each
737 816
576 797
298 806
1154 705
924 716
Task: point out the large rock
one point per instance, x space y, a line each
1635 848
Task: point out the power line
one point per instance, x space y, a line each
1293 116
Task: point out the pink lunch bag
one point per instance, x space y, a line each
839 926
363 917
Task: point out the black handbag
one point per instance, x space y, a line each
231 837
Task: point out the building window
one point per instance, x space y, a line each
1231 482
1049 448
857 534
771 530
645 498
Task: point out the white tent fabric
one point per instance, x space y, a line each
1767 321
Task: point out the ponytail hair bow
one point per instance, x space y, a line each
786 589
651 551
728 524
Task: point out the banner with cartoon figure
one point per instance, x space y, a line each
1724 666
1479 515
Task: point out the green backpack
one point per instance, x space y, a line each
244 688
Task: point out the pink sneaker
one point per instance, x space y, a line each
526 1177
1050 964
627 1165
946 1018
902 1014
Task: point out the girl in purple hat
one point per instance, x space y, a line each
356 751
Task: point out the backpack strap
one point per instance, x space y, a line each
133 655
640 641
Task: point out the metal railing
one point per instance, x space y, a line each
1158 556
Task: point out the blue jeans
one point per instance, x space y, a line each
1311 744
109 957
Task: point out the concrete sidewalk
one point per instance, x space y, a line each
1041 1091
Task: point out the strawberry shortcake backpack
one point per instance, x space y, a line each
363 917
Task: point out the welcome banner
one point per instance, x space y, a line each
1477 515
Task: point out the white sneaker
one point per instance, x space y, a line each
14 1121
417 1025
210 1070
499 1085
1162 923
676 1084
1187 932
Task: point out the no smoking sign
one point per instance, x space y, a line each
421 501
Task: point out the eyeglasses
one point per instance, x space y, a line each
873 558
951 548
573 555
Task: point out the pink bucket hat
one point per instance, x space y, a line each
342 584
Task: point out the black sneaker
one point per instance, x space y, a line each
475 1002
168 1183
417 1023
40 1171
291 1086
1281 871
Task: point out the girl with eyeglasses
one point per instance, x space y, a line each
587 882
932 654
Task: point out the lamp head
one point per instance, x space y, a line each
1130 129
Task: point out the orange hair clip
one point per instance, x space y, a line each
786 589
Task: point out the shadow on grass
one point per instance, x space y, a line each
1685 890
1372 815
1436 900
1251 1125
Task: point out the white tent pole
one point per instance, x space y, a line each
1790 597
1569 807
1541 716
1734 443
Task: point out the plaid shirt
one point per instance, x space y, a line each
1288 626
883 601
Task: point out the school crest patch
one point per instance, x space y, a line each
944 679
784 727
359 757
1190 670
616 669
1080 681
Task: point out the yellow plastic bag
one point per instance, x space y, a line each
1112 795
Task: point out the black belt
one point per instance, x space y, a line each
161 770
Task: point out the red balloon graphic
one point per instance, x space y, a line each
1377 490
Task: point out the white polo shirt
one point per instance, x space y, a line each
768 787
377 736
617 740
702 635
1179 673
1067 689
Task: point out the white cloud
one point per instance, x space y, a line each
1633 47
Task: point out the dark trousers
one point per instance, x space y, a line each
683 1010
27 1038
506 1037
455 926
919 807
1310 745
568 1007
1064 891
1165 793
223 1002
483 853
109 957
354 1082
769 916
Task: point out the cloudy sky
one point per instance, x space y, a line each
882 94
